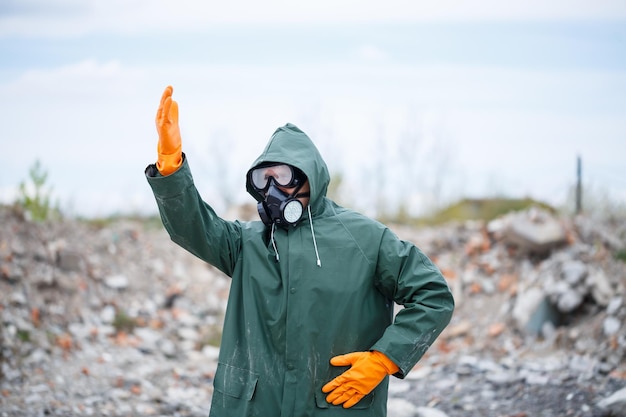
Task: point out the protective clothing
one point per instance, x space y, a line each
366 371
169 148
288 316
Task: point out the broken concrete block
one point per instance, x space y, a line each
534 232
533 309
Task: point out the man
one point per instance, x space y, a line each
309 328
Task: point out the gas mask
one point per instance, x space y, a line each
279 207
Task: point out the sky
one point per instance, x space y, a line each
410 102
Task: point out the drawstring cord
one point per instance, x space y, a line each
274 243
317 255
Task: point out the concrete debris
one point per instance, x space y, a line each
535 231
615 403
118 282
116 320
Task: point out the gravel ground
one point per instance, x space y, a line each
115 320
475 394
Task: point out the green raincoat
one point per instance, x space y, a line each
287 315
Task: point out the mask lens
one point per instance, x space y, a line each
282 174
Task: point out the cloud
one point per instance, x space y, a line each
371 53
87 116
78 78
42 18
34 8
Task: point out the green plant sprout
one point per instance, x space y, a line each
34 195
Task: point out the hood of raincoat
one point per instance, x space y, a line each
290 145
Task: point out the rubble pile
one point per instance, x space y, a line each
104 320
534 280
114 319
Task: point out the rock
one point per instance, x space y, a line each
615 403
17 298
211 352
533 309
401 407
168 348
611 326
592 232
188 333
42 274
12 272
569 300
614 306
70 261
18 248
583 366
117 282
534 231
429 412
398 386
419 372
573 272
503 377
108 314
149 337
601 288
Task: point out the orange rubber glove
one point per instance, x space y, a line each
367 370
169 149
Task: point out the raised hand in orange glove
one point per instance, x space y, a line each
367 370
169 149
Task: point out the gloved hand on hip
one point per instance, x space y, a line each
169 148
367 370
